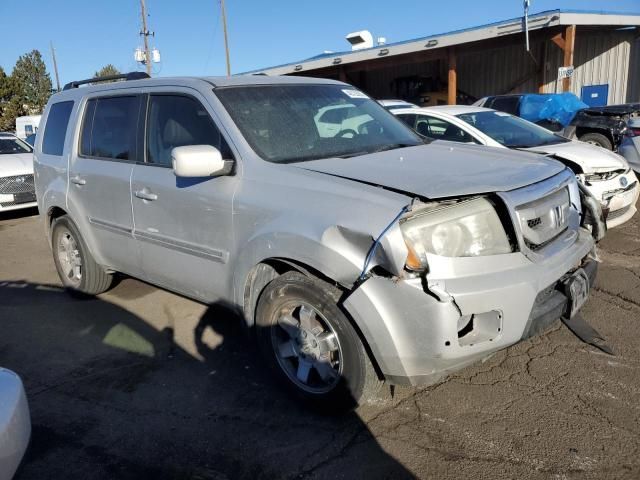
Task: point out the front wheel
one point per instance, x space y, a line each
76 268
597 139
311 346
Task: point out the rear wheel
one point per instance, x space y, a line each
76 268
311 346
597 139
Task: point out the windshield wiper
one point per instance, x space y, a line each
382 148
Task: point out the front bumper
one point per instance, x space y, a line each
414 336
618 195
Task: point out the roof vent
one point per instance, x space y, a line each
360 40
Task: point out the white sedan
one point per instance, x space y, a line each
605 174
16 174
15 423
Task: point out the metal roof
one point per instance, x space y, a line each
549 18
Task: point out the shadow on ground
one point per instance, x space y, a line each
117 398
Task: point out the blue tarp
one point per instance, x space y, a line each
559 107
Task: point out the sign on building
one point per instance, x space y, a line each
565 72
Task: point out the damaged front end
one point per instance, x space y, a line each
480 273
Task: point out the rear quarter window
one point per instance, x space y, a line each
55 130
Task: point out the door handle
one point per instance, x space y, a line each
145 194
78 180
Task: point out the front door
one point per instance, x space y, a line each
99 193
183 225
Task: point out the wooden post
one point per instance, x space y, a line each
453 78
569 43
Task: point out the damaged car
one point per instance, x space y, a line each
606 175
601 126
367 256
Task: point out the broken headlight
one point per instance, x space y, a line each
469 228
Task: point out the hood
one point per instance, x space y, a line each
623 109
16 164
590 158
441 169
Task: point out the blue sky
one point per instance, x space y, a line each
88 34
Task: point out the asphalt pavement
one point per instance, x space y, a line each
142 383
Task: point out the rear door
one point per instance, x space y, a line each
183 225
99 193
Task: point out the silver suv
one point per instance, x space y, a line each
356 257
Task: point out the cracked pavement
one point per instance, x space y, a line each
141 383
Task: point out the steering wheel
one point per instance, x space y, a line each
346 131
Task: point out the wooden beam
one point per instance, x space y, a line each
453 78
558 40
569 43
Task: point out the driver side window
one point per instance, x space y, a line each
176 121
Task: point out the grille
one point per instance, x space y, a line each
17 184
618 213
545 219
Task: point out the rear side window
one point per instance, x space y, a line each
176 121
109 128
56 129
505 104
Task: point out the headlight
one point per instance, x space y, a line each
467 229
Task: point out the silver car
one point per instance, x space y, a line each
15 423
630 146
356 258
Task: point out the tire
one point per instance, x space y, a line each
597 139
310 345
78 271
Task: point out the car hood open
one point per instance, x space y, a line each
441 169
16 164
590 158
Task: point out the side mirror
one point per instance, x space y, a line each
199 161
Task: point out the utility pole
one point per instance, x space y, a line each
55 66
226 40
145 34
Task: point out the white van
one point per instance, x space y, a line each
27 125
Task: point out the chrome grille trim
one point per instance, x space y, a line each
543 220
17 184
545 215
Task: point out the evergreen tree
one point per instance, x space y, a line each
31 83
107 70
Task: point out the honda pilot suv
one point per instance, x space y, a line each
356 257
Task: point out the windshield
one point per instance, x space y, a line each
13 145
294 123
510 131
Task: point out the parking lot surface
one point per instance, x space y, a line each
141 383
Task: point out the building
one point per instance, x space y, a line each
460 66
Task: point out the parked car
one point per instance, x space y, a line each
16 174
630 146
605 174
395 104
15 423
601 126
354 258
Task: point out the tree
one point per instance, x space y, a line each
11 105
31 83
106 71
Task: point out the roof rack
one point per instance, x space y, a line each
108 78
